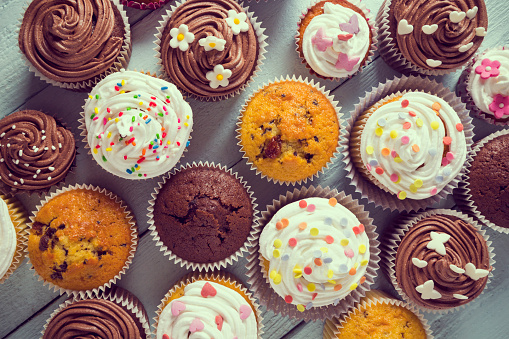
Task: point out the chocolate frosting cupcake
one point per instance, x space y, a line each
36 152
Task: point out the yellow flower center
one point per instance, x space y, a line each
212 44
236 21
180 37
219 77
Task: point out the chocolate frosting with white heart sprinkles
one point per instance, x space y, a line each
188 69
35 151
465 245
445 34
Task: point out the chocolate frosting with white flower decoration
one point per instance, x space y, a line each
196 69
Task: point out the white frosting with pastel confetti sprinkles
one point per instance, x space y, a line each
318 252
414 146
7 239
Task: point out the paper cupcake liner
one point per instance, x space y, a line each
134 238
210 276
307 82
121 61
463 92
125 299
262 49
258 277
141 5
333 327
462 194
370 191
391 244
371 50
84 134
194 265
19 218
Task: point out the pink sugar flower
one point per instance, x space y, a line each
488 68
500 106
321 40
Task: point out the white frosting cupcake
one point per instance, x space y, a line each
7 239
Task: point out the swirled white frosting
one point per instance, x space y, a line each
484 90
137 125
7 239
324 62
319 257
403 145
196 317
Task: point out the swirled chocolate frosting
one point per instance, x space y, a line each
449 44
188 69
94 319
71 40
464 246
35 151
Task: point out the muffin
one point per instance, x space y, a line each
13 245
210 49
137 126
81 238
335 39
73 45
144 4
430 37
37 152
217 305
203 216
484 86
289 130
438 260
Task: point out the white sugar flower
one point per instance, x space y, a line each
211 42
219 76
237 21
181 37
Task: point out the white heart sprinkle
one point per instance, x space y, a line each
456 16
404 27
429 29
427 290
480 31
419 263
466 47
471 13
460 296
456 269
433 63
475 273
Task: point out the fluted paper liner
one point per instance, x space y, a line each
392 242
214 276
123 298
462 195
262 49
194 265
371 50
321 90
369 190
141 5
259 278
134 238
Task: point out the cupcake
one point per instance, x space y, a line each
378 316
81 239
438 260
484 86
335 38
37 152
289 130
144 4
203 216
13 245
73 45
136 125
210 49
116 313
215 305
430 37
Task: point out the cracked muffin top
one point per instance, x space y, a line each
289 131
81 239
203 214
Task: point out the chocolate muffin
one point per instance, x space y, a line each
203 214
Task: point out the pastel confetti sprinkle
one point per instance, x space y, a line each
418 183
328 221
419 122
386 152
301 308
311 287
330 274
450 156
276 253
353 286
343 268
405 140
404 103
373 162
327 260
311 208
285 257
362 249
413 189
333 202
288 299
447 140
314 231
302 226
318 262
435 125
337 287
317 254
433 191
352 271
379 131
364 262
412 113
349 253
439 179
292 242
363 279
370 149
394 134
329 239
343 222
407 125
432 152
394 177
415 148
303 204
308 270
459 127
379 170
344 242
398 160
436 106
299 288
381 122
278 243
401 195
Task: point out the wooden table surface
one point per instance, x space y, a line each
25 303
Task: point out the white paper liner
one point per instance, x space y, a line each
134 238
19 218
307 82
259 279
125 299
369 190
194 265
462 194
371 50
393 240
262 49
210 276
333 327
141 5
121 61
463 92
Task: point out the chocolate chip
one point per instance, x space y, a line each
308 157
50 232
273 148
61 227
56 275
316 138
43 243
315 102
37 228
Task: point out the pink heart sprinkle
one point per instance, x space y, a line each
219 322
245 311
349 253
177 307
208 290
196 325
